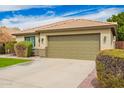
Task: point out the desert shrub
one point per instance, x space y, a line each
2 49
23 49
9 47
110 68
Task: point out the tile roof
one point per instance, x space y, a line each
72 23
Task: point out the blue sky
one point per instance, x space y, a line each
32 16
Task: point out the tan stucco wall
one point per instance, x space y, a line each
21 38
109 44
43 44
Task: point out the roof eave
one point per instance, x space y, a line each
84 28
112 27
18 34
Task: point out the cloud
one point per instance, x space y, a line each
4 8
71 13
102 15
25 22
76 12
30 22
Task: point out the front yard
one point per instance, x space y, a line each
11 61
46 73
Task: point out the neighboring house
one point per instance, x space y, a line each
76 38
6 35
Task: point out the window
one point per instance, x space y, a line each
31 39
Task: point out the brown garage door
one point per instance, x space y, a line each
73 46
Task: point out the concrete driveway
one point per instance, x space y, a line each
47 73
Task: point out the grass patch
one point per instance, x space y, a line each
4 62
113 52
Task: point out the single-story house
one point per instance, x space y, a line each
74 38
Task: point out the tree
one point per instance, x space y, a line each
119 18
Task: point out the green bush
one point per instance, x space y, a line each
23 49
2 49
9 47
110 68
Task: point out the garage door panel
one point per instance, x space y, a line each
74 43
75 46
87 45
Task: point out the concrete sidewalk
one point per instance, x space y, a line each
47 73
